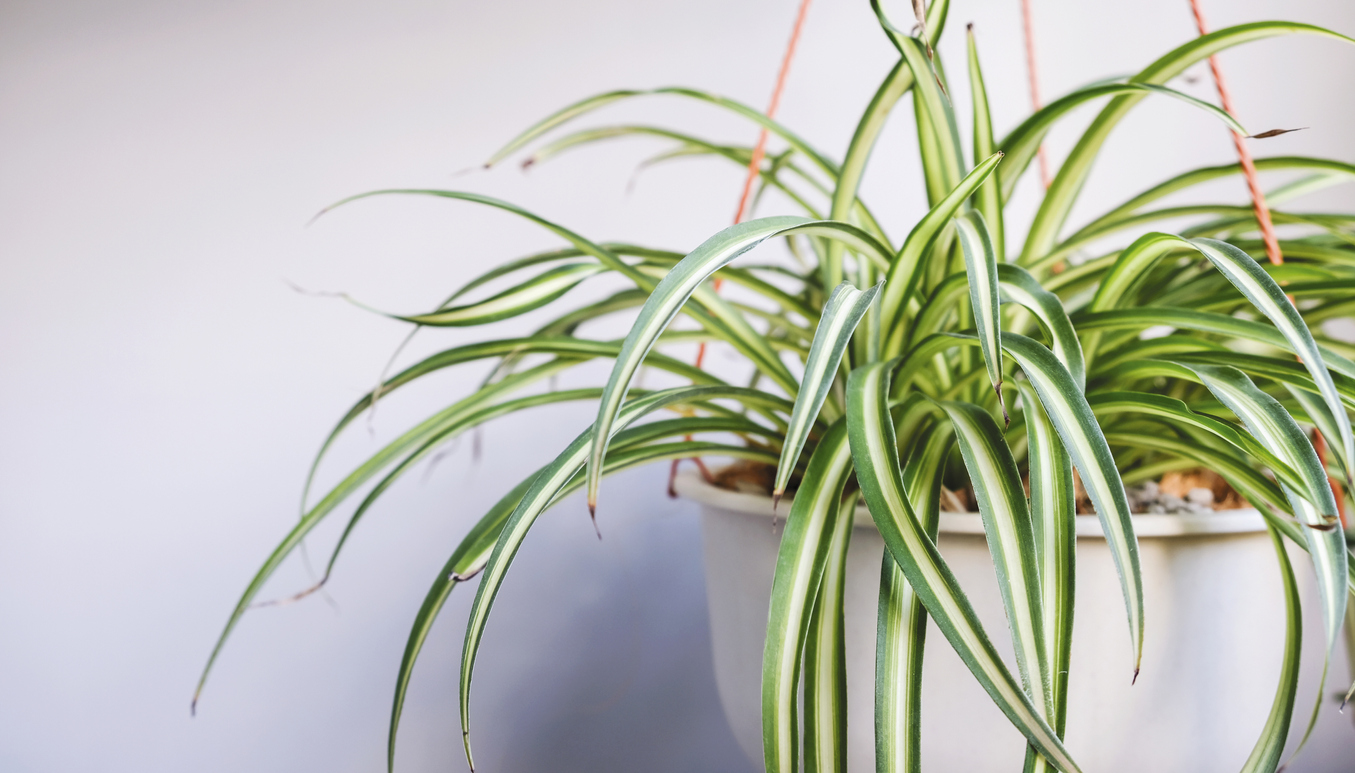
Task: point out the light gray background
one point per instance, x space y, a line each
163 388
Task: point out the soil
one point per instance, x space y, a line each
1186 491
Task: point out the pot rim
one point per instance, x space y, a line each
1242 521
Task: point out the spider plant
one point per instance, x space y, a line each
879 367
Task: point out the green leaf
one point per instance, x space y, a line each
1254 283
684 280
841 313
473 552
901 628
800 563
825 657
1018 286
1067 408
949 156
901 279
1145 317
981 268
532 294
1067 184
895 85
1024 141
873 444
1007 524
588 105
1205 174
1313 505
1053 516
988 200
545 487
1178 413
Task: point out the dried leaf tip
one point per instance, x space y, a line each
1273 133
1133 681
776 499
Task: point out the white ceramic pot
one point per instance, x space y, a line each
1214 627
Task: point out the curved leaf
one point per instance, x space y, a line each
901 279
1024 141
981 269
1063 191
545 487
681 282
873 445
1067 408
1007 524
841 313
901 627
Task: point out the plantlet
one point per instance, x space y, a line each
1025 362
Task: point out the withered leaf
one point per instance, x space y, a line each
1274 133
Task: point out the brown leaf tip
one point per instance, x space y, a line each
1273 133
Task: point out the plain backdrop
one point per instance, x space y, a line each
163 385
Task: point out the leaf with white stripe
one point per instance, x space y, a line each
1313 505
800 563
1053 518
988 199
901 623
1018 286
680 283
1269 299
901 279
520 299
1024 141
825 656
542 493
841 313
1007 524
981 268
1067 409
873 444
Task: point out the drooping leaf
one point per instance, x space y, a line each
901 627
1053 516
681 283
800 563
873 445
1062 193
1007 524
1067 409
825 657
545 487
841 313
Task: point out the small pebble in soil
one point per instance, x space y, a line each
1149 498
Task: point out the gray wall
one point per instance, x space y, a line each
164 388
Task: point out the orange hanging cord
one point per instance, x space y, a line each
1033 76
1258 200
754 168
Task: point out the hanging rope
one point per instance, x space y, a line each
1033 75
